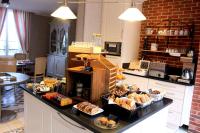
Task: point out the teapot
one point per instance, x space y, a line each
187 74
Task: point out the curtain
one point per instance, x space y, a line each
22 20
3 12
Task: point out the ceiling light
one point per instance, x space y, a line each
132 14
63 12
5 3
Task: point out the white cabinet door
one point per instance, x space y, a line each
60 63
40 118
63 124
33 115
141 82
177 94
50 65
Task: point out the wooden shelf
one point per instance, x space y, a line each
169 35
79 70
154 51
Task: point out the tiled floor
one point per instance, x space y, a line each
13 100
14 126
16 103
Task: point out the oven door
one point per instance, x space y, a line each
113 48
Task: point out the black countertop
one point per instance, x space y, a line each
160 79
88 122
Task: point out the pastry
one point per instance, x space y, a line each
120 90
155 92
50 82
65 101
125 103
111 124
104 121
50 95
88 108
29 85
139 98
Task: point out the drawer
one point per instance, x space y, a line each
174 118
174 95
167 86
176 106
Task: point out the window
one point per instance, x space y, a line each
9 40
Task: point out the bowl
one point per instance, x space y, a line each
157 96
173 77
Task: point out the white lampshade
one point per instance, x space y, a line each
132 14
63 12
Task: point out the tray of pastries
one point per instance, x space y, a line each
88 108
106 123
58 99
50 82
156 94
38 88
120 91
141 98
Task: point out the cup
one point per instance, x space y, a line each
185 32
154 47
181 32
149 31
176 32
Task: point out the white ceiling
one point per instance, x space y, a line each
42 7
46 7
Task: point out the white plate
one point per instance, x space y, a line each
100 111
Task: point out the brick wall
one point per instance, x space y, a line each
194 126
186 11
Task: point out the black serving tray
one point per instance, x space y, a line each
117 110
57 104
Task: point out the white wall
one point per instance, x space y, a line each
92 20
89 21
80 22
131 40
103 18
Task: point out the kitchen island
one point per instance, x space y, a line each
42 116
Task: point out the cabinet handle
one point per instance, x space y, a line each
164 85
170 112
168 93
70 122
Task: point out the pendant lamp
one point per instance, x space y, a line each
64 12
132 14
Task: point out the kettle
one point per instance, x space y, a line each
187 74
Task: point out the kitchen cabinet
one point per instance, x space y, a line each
59 37
179 110
40 118
56 65
35 116
59 41
50 65
141 82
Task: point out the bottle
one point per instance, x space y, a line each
79 89
145 43
97 39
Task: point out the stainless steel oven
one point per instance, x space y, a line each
113 48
